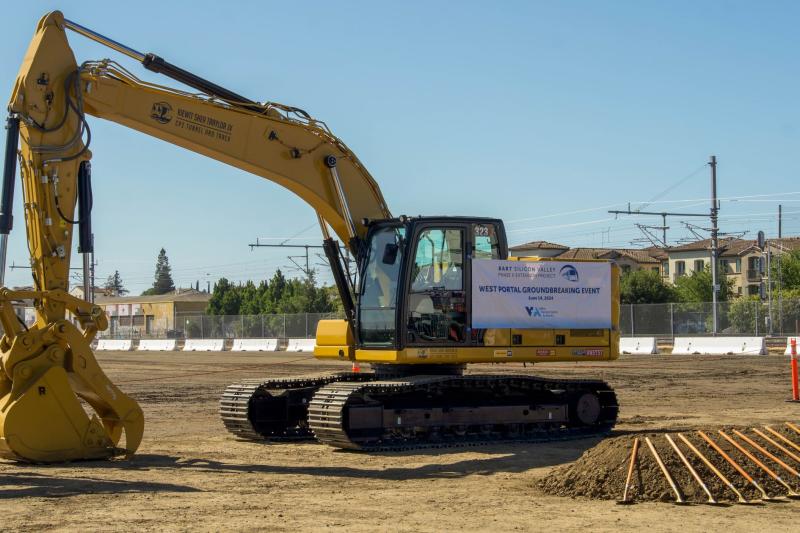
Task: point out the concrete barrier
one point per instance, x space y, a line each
720 346
638 345
301 345
254 345
789 345
157 345
204 345
117 345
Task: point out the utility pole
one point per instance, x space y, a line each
780 270
714 215
769 289
307 270
714 241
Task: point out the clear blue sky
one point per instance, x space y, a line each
542 113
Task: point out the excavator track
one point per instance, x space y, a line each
451 411
275 409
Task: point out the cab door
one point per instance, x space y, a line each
436 304
486 241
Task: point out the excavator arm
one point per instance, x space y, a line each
41 418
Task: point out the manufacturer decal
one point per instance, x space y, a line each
204 125
545 351
587 352
161 112
503 353
433 353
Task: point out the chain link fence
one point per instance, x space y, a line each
299 325
737 317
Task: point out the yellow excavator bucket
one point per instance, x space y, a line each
56 404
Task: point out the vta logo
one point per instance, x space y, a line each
533 311
569 273
161 112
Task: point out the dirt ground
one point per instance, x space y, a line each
190 474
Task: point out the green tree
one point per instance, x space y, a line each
225 299
278 295
163 278
696 287
333 296
743 314
644 287
272 292
114 285
250 303
787 269
790 305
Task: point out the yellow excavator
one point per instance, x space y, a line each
425 297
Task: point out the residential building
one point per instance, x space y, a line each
627 258
739 259
537 248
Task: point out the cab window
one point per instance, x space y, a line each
439 261
437 301
378 300
484 242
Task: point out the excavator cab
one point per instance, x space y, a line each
414 303
416 282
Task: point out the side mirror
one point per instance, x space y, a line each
390 253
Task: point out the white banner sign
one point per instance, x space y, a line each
541 294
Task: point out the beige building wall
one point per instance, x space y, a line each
146 315
741 269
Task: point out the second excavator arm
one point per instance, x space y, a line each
51 98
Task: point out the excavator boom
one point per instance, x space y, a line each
49 368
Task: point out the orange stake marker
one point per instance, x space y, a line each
795 384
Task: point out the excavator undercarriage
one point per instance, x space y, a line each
376 411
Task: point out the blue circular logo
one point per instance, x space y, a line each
570 273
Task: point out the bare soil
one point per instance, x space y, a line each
190 474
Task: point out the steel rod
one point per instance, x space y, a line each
762 466
634 454
795 428
102 39
691 469
784 439
713 468
778 445
764 451
678 495
734 464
